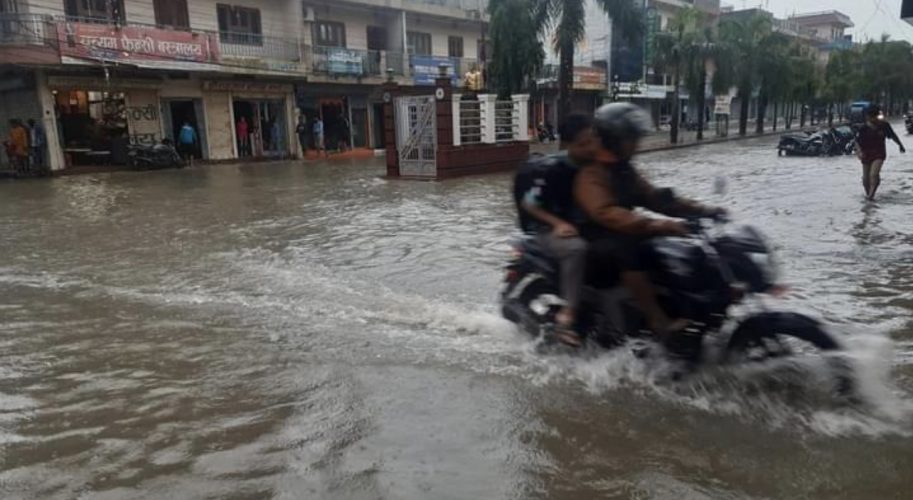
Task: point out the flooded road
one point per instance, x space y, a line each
292 331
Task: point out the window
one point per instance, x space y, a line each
172 13
419 43
329 34
103 11
484 49
377 38
455 46
239 25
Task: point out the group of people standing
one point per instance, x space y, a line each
247 131
314 133
25 146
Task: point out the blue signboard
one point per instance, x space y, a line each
425 69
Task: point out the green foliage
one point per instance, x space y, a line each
517 52
568 19
877 71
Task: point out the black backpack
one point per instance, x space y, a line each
536 168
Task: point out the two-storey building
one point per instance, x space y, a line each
101 74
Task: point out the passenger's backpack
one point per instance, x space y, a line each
531 173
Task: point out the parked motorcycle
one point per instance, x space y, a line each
701 278
827 142
146 157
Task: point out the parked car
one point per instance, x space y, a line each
857 112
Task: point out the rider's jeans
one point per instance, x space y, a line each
571 255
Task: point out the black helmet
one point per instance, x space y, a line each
621 122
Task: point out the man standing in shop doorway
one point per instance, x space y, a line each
187 142
17 147
38 140
301 130
243 131
318 138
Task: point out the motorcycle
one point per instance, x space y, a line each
702 278
145 157
802 144
828 142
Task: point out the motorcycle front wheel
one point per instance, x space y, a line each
774 335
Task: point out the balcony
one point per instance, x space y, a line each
256 46
338 61
27 30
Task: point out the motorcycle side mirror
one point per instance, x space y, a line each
720 185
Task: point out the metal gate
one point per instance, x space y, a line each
416 135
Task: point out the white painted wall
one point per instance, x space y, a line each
441 30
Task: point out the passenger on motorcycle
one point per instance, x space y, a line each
546 203
609 189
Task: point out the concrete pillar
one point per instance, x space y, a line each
457 124
488 112
521 107
49 120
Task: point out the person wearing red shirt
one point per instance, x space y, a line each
871 150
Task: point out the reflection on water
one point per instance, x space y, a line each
299 331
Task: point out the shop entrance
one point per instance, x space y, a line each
264 124
359 128
379 126
175 112
332 111
93 127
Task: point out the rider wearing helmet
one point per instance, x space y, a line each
608 191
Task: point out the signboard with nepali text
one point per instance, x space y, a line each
135 43
589 78
425 69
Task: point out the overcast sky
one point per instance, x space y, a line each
871 17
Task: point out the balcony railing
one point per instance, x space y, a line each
27 29
340 61
252 45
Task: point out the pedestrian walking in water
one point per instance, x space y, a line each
187 142
871 150
38 140
301 130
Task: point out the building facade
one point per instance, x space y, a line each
102 75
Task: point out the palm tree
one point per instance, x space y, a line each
516 49
744 40
568 19
677 50
773 70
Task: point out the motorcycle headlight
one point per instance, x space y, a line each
767 266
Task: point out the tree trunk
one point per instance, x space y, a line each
565 83
701 104
776 117
743 112
676 108
762 113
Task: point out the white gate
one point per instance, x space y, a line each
416 135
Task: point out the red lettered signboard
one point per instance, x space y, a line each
136 43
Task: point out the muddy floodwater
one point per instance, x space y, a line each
296 331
